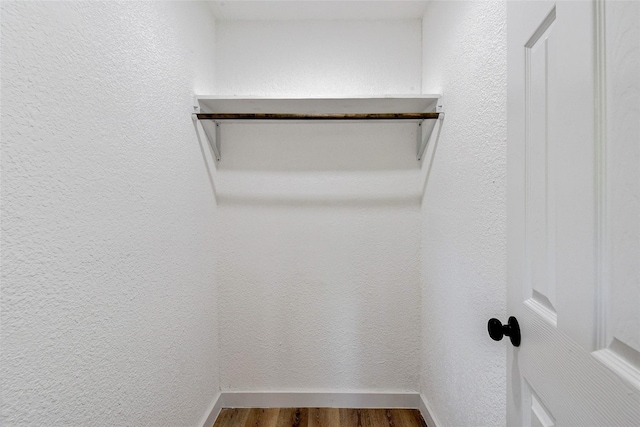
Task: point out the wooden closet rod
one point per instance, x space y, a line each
291 116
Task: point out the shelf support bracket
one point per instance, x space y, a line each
425 130
211 130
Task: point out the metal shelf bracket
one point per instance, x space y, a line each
425 130
211 130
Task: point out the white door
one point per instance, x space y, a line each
574 212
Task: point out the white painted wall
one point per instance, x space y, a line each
108 303
318 268
331 276
463 214
318 58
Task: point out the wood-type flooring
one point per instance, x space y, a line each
319 417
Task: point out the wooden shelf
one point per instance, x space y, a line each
212 110
310 117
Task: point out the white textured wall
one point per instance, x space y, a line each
318 58
463 214
318 265
108 304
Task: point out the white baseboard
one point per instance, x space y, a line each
428 414
214 410
319 400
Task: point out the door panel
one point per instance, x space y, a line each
540 278
573 216
619 314
539 415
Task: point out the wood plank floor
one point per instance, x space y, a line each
319 417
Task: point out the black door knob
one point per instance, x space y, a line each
497 330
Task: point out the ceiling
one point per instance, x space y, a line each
314 9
